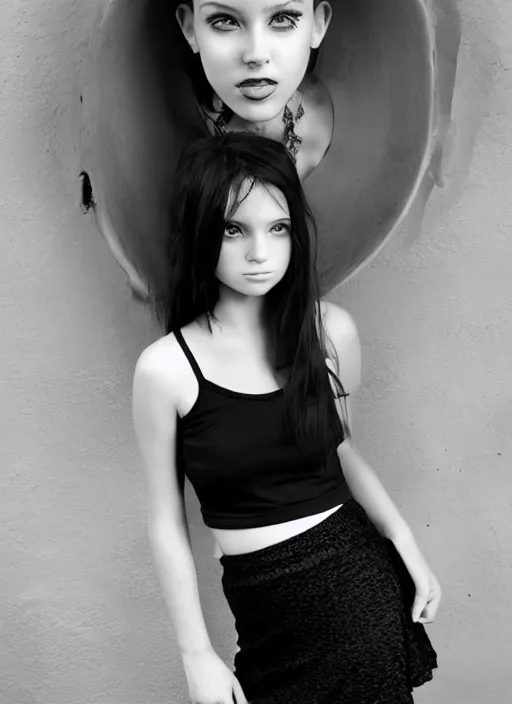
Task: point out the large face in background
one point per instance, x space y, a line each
243 40
390 68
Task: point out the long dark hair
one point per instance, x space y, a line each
203 91
211 176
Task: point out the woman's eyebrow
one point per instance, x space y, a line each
282 5
217 4
279 6
245 225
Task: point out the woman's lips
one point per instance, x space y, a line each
257 90
261 276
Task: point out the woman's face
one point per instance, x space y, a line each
256 246
254 52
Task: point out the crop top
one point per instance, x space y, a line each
232 448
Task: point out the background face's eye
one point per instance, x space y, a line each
224 23
285 20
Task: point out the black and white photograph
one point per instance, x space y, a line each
256 357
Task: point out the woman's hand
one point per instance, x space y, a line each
210 681
426 601
428 591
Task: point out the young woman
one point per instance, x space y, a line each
251 63
326 583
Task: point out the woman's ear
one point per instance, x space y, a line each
185 19
322 20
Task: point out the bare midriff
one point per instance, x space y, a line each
239 542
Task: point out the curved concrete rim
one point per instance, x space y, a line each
101 41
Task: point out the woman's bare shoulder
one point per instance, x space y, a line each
161 365
337 320
342 333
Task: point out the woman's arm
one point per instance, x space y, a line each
367 489
154 419
363 482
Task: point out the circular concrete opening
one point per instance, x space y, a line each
377 62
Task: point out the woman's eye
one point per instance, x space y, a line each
231 231
290 20
282 20
222 22
281 228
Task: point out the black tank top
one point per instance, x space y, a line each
232 448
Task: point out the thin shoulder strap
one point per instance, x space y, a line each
188 354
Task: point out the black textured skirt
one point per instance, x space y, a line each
324 617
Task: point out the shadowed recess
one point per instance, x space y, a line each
390 70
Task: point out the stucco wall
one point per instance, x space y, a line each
82 616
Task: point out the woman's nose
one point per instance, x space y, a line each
256 49
258 251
